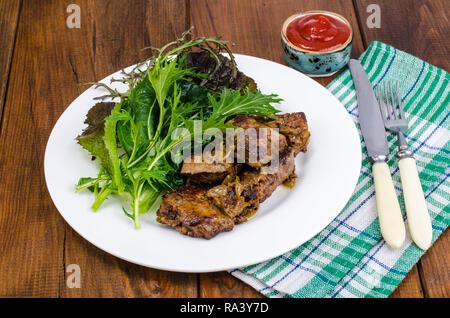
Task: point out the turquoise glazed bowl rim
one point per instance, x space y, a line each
298 49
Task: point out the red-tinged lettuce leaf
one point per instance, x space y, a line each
91 138
221 77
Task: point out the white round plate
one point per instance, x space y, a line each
327 173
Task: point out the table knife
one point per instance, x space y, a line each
374 134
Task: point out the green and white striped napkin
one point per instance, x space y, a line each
349 258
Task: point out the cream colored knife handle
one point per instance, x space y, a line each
416 208
389 213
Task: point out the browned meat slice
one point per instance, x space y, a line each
295 127
208 171
228 197
241 197
204 211
188 210
257 146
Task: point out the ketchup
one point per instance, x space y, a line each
318 32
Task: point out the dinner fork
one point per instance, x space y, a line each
416 208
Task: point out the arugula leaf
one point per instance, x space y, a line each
102 195
169 95
124 132
140 100
139 105
163 75
164 175
93 184
191 92
87 183
231 102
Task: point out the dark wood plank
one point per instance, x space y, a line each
9 13
149 23
36 245
419 27
32 234
106 276
410 287
50 65
435 268
254 27
223 285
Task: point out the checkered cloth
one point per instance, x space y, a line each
349 258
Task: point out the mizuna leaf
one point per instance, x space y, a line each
110 142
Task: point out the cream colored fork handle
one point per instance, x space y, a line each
416 208
389 213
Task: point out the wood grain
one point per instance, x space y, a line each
45 66
410 287
9 13
114 47
224 285
419 27
262 21
104 275
32 234
255 26
435 268
50 65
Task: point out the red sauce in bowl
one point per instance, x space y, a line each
318 32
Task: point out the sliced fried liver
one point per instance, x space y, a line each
188 210
204 211
207 172
200 171
241 197
295 127
261 145
204 172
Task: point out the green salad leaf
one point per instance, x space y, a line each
92 137
110 141
134 138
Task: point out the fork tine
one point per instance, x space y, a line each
400 105
382 105
388 105
393 104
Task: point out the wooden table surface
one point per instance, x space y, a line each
44 67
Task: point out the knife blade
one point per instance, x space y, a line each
374 134
372 126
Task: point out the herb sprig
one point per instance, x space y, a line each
135 139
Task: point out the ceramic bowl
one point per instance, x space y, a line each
315 63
